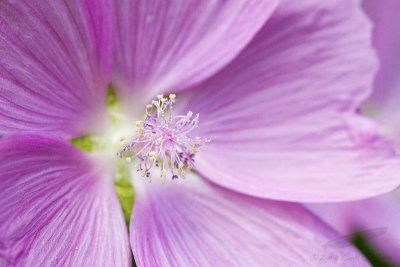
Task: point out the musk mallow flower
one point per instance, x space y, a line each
382 212
277 85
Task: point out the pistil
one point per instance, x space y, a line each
163 141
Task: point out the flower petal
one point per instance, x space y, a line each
384 102
195 223
170 45
282 118
55 61
56 207
377 219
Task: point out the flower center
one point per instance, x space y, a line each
162 140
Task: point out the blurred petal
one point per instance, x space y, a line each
54 65
171 45
194 223
378 219
56 208
384 104
281 117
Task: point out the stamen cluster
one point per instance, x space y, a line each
161 140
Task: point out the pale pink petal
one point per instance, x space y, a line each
55 61
57 208
195 223
171 45
282 116
377 219
384 104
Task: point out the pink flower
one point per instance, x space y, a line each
381 212
277 85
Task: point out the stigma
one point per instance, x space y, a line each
163 141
